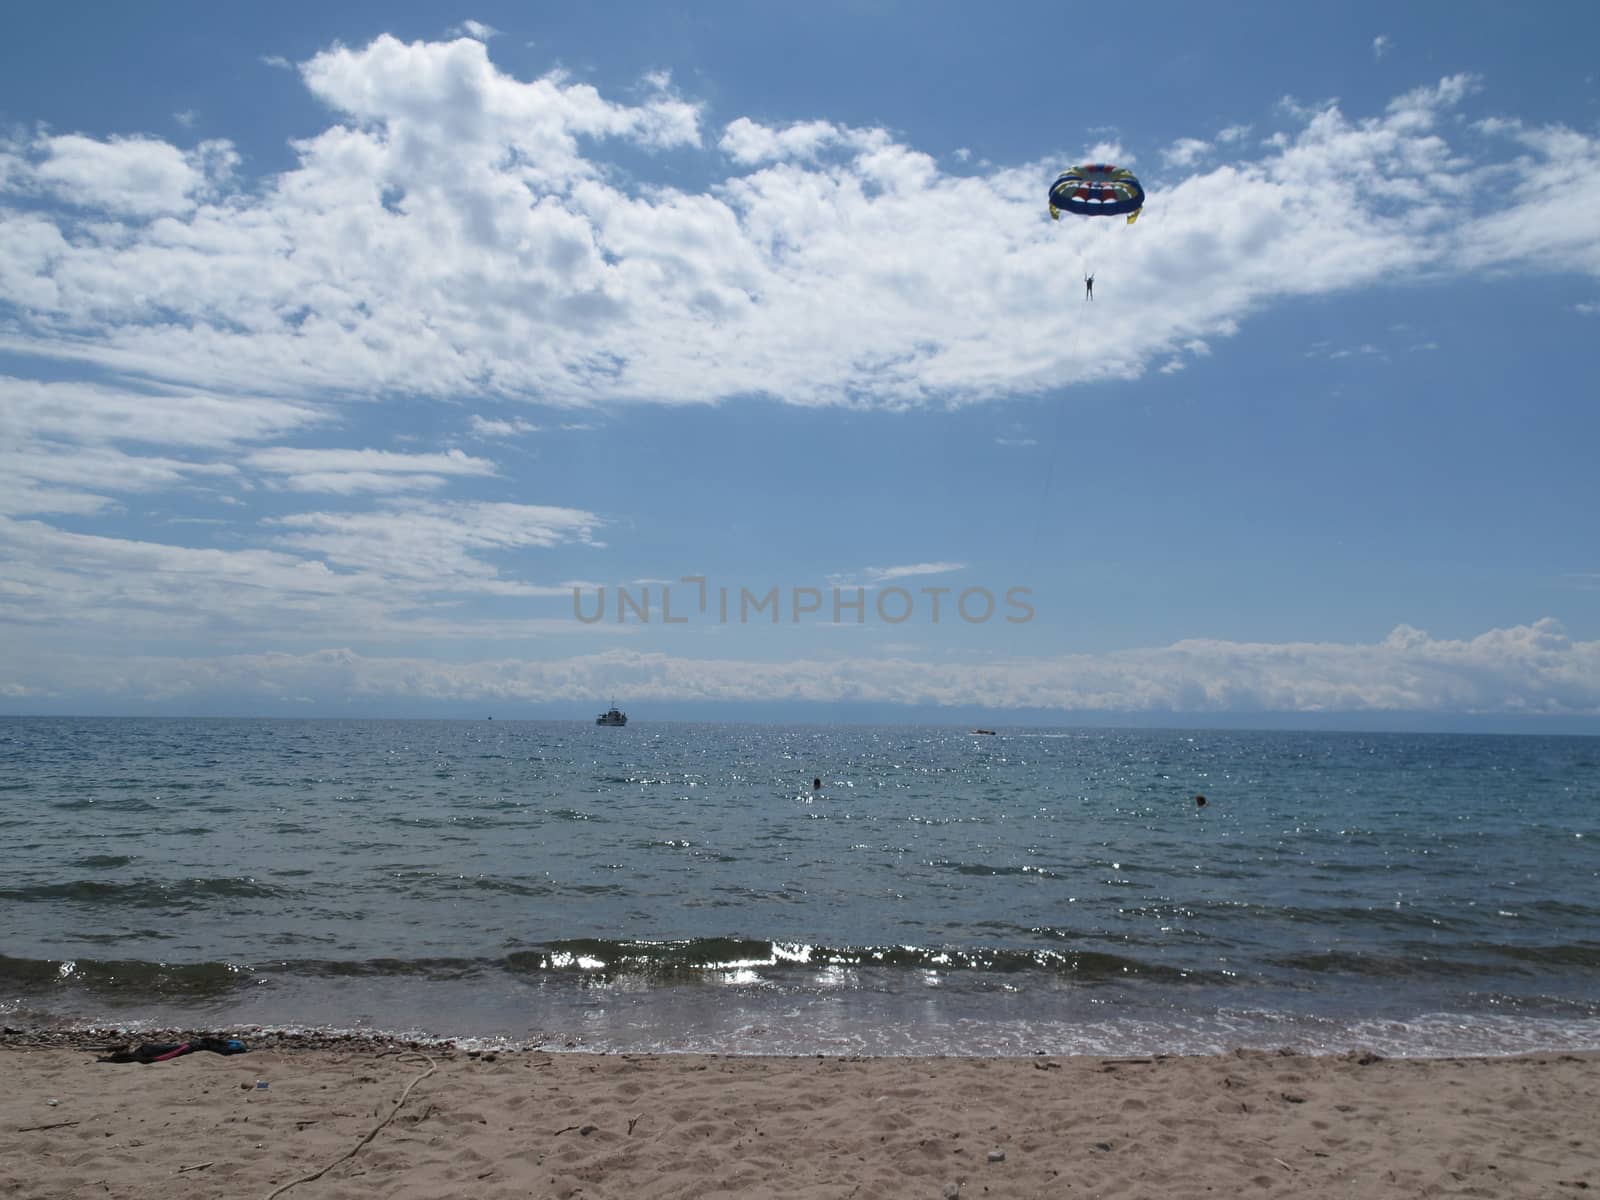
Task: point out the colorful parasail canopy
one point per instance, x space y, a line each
1096 190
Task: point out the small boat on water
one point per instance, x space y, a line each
985 732
612 716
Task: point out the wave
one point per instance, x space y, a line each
1464 960
970 868
722 960
143 893
697 957
1384 966
1571 954
595 959
133 977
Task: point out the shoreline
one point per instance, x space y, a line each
634 1024
92 1036
557 1123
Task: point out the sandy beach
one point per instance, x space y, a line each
530 1123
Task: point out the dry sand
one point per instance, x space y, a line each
537 1124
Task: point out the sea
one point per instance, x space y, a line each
685 887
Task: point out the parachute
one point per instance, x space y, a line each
1096 190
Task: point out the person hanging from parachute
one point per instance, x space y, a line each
1096 190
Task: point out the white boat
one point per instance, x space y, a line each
612 716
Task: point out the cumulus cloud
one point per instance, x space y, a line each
1185 152
1381 45
749 143
456 231
132 177
1524 670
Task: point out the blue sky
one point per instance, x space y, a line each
341 346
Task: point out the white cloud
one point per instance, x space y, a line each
101 413
1194 347
1587 308
1419 108
912 570
1381 45
1365 350
1303 112
1567 163
449 98
42 477
1110 150
1525 670
1185 152
388 575
486 427
122 588
474 29
436 544
61 443
351 471
749 143
136 176
1498 126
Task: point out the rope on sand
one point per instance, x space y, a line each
372 1133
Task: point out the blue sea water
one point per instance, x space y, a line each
683 887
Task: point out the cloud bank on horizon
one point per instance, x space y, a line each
1533 670
457 234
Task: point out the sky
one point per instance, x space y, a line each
725 361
